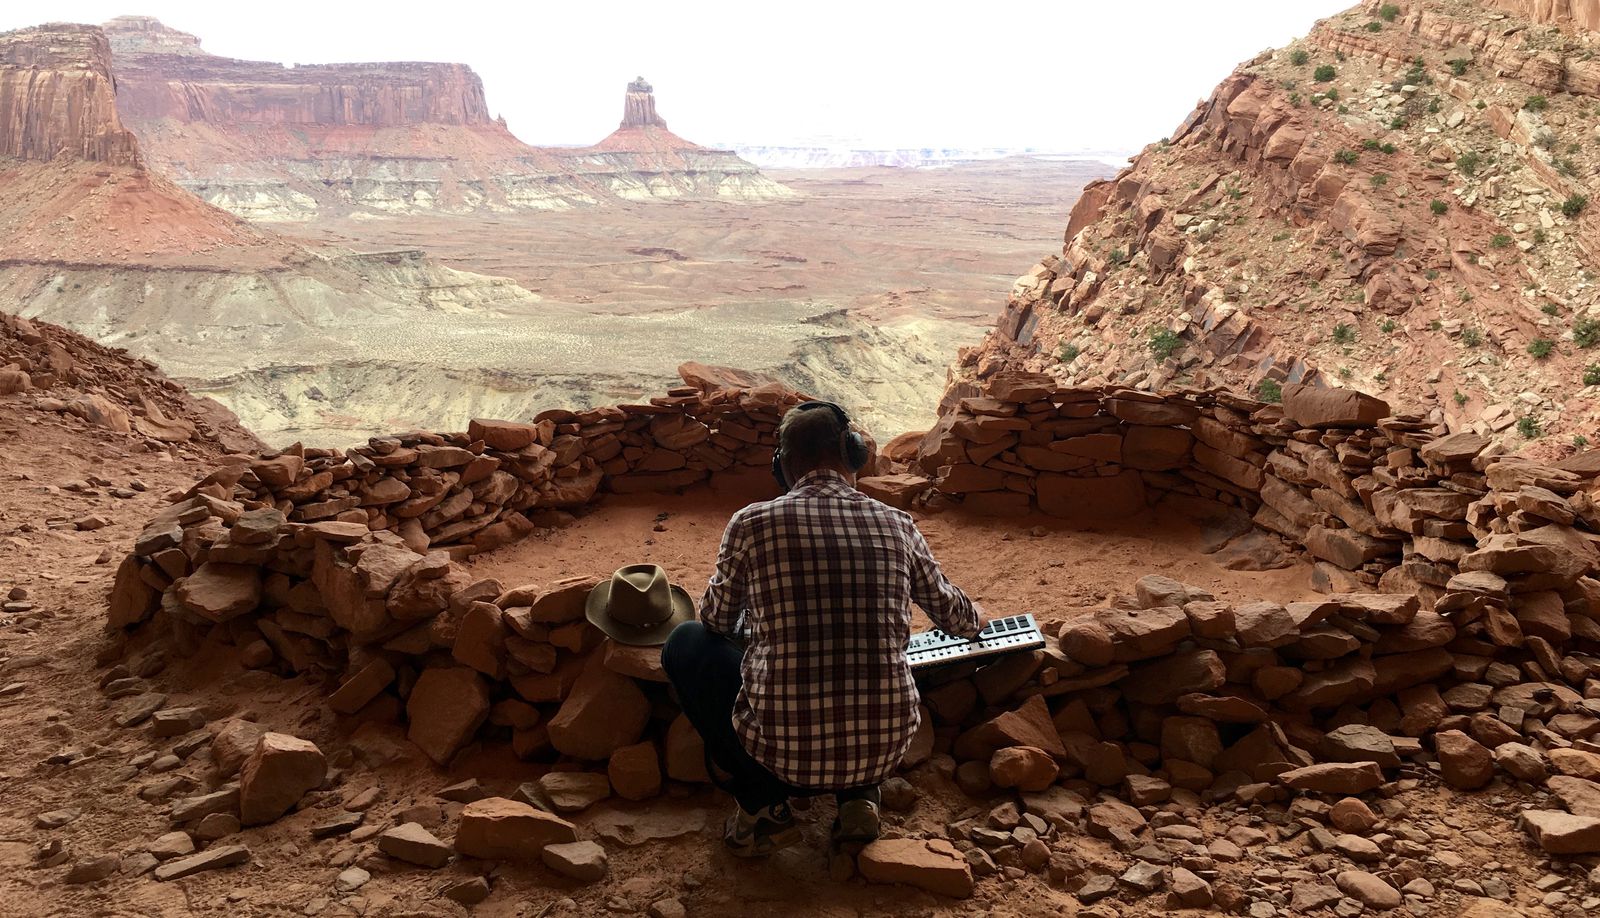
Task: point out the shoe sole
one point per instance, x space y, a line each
775 842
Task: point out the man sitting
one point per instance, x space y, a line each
819 582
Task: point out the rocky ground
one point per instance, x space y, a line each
1397 203
119 814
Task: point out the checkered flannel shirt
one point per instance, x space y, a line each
821 580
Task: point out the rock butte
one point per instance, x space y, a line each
283 143
1169 748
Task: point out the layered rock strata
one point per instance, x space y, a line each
57 97
269 142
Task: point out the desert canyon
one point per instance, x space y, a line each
325 400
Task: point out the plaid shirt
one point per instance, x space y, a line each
823 578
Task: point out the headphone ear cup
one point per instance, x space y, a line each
855 451
777 470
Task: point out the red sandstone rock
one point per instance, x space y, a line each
603 713
446 707
1023 767
1315 407
1464 763
933 865
635 771
497 829
274 778
1563 833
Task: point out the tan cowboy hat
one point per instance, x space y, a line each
638 606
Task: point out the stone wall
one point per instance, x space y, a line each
1478 654
1380 501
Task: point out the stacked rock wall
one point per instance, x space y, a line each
1379 501
1480 653
344 564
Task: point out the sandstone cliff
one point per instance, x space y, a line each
57 97
1398 203
272 142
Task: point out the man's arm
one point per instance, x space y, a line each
723 602
944 602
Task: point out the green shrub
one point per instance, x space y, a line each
1346 157
1580 441
1546 140
1458 67
1299 57
1270 391
1539 236
1164 343
1379 179
1374 26
1436 325
1528 426
1536 103
1324 73
1574 205
1500 240
1471 337
1550 309
1438 207
1370 145
1468 163
1586 333
1332 93
1461 398
1344 334
1068 353
1388 326
1431 274
1540 348
1397 122
1591 375
1388 11
1433 106
1566 167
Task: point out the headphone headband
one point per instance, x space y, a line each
852 446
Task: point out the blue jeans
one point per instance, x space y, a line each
704 669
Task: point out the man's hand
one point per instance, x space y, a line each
983 617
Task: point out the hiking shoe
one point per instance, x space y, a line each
858 822
758 834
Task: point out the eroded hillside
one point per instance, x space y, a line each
1397 203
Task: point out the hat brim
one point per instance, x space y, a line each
595 609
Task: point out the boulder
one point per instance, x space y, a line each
1368 889
604 712
583 861
1311 406
411 843
219 592
574 791
498 829
1344 778
934 865
274 778
635 771
1563 833
447 706
1025 768
1463 761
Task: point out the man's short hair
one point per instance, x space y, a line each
810 439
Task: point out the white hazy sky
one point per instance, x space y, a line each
1063 75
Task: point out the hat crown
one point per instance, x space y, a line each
640 595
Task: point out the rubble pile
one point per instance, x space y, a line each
66 373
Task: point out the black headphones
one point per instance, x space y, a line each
852 445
